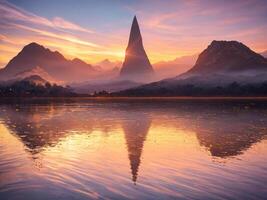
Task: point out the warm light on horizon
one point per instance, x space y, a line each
185 30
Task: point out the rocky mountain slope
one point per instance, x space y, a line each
53 63
228 56
223 66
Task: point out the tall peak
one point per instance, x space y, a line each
136 64
135 34
135 20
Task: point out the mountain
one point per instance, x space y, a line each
108 69
108 65
36 71
136 65
53 63
35 79
165 69
228 56
33 86
264 54
224 68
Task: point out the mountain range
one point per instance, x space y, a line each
108 65
221 64
179 65
34 57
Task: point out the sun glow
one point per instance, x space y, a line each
166 36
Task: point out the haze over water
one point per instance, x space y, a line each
183 149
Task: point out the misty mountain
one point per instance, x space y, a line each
52 63
108 65
219 66
165 69
35 79
36 71
264 54
33 86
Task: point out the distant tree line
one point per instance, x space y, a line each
233 89
30 89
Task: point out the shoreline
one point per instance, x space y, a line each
141 98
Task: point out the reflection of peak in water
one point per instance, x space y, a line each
41 126
135 132
225 129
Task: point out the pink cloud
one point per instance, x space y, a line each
62 23
12 13
68 38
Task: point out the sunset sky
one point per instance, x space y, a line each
97 29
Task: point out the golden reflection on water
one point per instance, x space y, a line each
98 150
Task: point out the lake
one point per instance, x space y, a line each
134 149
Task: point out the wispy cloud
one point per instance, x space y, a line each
62 23
19 27
57 35
10 12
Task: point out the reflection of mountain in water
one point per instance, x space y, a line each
225 144
224 129
41 126
135 131
228 132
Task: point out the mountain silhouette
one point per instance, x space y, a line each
53 63
136 64
228 56
221 69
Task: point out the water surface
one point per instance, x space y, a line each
147 149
